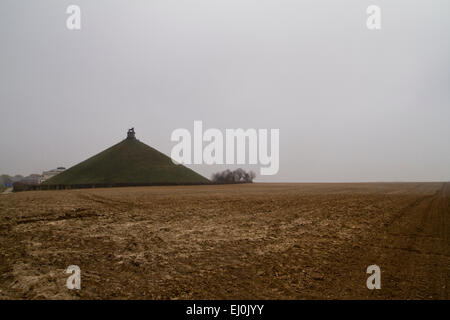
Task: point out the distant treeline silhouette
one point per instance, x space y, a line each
17 186
224 177
236 176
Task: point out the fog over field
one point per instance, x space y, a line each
351 104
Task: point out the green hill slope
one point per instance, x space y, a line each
128 162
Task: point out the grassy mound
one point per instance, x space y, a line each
128 162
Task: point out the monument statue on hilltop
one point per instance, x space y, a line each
131 134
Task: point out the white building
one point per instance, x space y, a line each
51 173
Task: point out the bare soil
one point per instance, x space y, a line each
255 241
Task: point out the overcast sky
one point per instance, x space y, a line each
351 104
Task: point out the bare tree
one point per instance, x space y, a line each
236 176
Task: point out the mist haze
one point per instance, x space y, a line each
351 104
